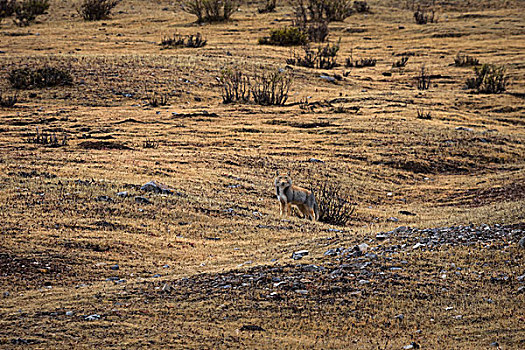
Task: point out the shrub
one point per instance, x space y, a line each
423 79
50 139
321 10
335 207
269 6
465 61
324 58
489 78
183 41
271 88
27 11
8 101
363 62
210 10
7 8
422 17
318 31
287 36
401 63
361 7
423 115
26 78
96 10
156 100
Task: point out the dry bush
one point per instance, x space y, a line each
178 40
156 100
421 114
267 88
27 11
269 6
423 79
318 31
324 58
360 63
150 144
287 36
210 10
401 63
48 139
489 79
95 10
465 61
8 101
7 8
361 7
271 88
321 10
422 17
335 207
27 78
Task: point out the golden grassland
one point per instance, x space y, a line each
58 241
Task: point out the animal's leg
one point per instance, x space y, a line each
281 208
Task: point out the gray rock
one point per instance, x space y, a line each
363 247
114 267
462 128
69 313
521 243
156 187
104 199
123 194
93 317
299 254
314 160
301 291
327 78
142 200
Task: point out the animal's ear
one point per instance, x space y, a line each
289 173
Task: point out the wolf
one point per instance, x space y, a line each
288 194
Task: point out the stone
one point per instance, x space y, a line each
122 194
299 254
521 243
156 187
363 247
327 78
251 328
142 200
114 267
93 317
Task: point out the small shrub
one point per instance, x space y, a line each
401 63
269 6
489 79
423 79
96 10
287 36
271 88
465 61
422 17
321 10
235 86
27 11
361 7
423 115
318 31
210 10
335 207
150 144
7 8
324 58
50 139
178 40
8 101
361 63
156 100
26 78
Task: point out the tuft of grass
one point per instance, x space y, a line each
489 79
269 6
423 79
361 63
96 10
210 10
27 78
8 101
324 58
400 63
465 61
27 11
47 139
156 100
150 144
423 17
421 114
178 40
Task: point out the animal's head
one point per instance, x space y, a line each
283 181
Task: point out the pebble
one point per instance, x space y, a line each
142 200
122 194
114 267
93 317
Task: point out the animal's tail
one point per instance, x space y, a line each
316 207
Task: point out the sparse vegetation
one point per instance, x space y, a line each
489 79
8 101
210 10
7 8
306 11
48 139
335 207
421 114
96 10
266 88
158 99
423 17
360 63
400 63
269 6
150 144
423 79
178 40
27 11
287 36
324 58
465 61
27 78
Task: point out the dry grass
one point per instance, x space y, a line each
60 235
